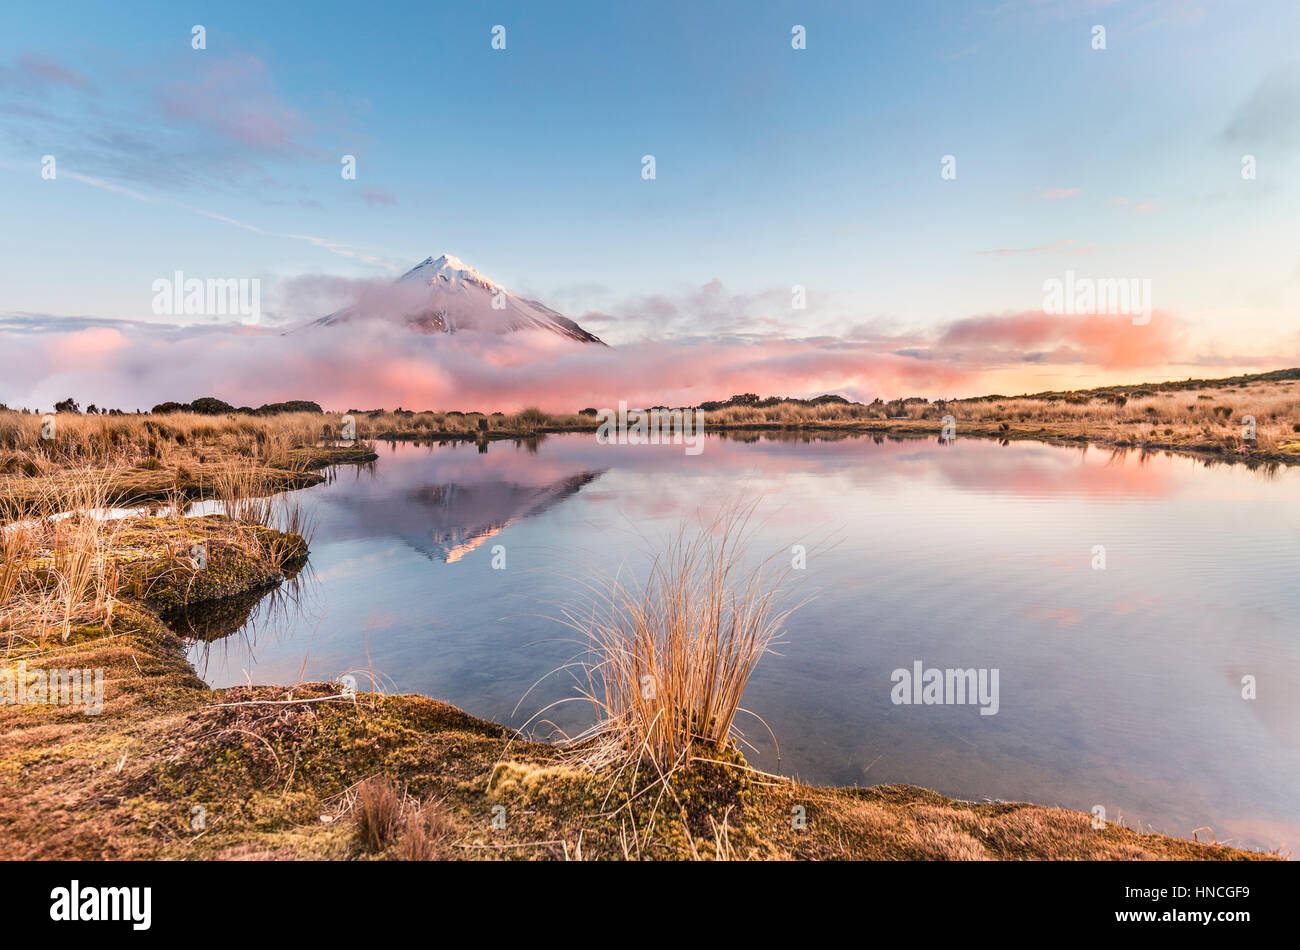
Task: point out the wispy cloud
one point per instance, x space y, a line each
334 247
1058 194
214 122
702 313
1271 115
1139 207
1070 244
1036 337
33 73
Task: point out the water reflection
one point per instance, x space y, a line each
1120 687
460 518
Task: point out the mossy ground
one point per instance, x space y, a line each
271 769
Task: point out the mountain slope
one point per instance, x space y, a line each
444 295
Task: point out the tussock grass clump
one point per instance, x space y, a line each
248 496
389 820
15 549
377 812
58 567
425 831
668 660
244 493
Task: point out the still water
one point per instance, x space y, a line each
1119 686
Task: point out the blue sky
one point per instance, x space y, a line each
775 166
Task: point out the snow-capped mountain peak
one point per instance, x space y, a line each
446 295
448 268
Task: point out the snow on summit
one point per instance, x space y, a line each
449 268
445 295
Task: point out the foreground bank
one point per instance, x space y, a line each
167 768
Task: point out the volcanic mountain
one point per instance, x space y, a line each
445 295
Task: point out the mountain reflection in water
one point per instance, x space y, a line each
442 568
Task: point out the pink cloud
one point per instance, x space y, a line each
1110 342
44 71
369 363
236 99
85 347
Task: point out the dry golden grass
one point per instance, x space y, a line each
248 495
271 765
389 820
426 829
62 548
158 441
58 567
417 425
15 551
1198 415
377 812
166 457
1202 416
59 545
668 659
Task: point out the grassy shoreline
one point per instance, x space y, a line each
309 771
1250 419
1198 418
1206 450
291 771
279 771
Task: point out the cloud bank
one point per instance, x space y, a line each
371 363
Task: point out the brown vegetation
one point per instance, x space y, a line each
669 659
310 770
1205 416
1194 416
146 458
